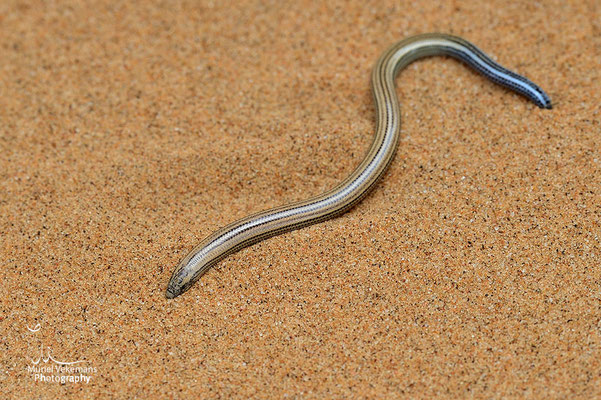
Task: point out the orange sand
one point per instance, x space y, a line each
131 130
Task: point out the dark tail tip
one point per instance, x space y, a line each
546 104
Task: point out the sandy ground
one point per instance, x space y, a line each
131 130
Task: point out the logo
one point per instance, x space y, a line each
46 368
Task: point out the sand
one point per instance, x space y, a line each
131 130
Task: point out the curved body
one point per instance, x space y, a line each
268 223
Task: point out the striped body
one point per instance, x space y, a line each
272 222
